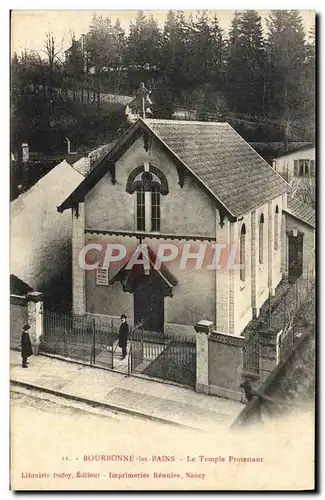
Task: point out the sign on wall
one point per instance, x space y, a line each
102 276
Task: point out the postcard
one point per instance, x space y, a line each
162 225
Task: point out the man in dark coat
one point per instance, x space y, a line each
123 335
26 346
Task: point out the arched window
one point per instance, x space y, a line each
242 257
155 209
276 228
148 184
141 218
261 240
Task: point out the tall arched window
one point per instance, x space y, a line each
155 209
148 183
261 240
141 218
276 228
242 256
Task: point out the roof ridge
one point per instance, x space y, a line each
182 122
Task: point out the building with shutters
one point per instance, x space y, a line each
293 160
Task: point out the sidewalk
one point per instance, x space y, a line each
133 395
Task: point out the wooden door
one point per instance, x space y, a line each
295 256
149 303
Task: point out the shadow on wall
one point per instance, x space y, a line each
57 291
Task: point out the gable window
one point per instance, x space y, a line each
261 240
242 257
149 183
276 228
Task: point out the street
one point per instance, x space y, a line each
59 444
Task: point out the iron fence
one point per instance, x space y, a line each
285 342
79 338
251 353
161 356
281 313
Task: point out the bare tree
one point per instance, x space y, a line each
304 189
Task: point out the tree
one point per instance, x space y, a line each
287 61
105 48
163 98
144 42
246 64
205 58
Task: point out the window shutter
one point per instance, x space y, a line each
295 168
312 168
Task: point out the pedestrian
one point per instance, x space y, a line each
123 335
26 346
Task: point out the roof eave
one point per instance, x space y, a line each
295 216
81 190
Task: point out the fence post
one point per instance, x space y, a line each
93 349
130 359
203 329
35 318
65 322
268 340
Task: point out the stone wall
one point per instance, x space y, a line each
18 318
225 361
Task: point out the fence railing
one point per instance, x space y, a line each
251 353
280 313
161 356
79 338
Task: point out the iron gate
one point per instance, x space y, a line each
79 338
161 356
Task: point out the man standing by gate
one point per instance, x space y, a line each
123 335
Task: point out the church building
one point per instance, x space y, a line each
189 185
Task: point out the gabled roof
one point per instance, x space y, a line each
223 162
18 286
301 211
162 271
278 149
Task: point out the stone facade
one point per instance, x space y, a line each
216 295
